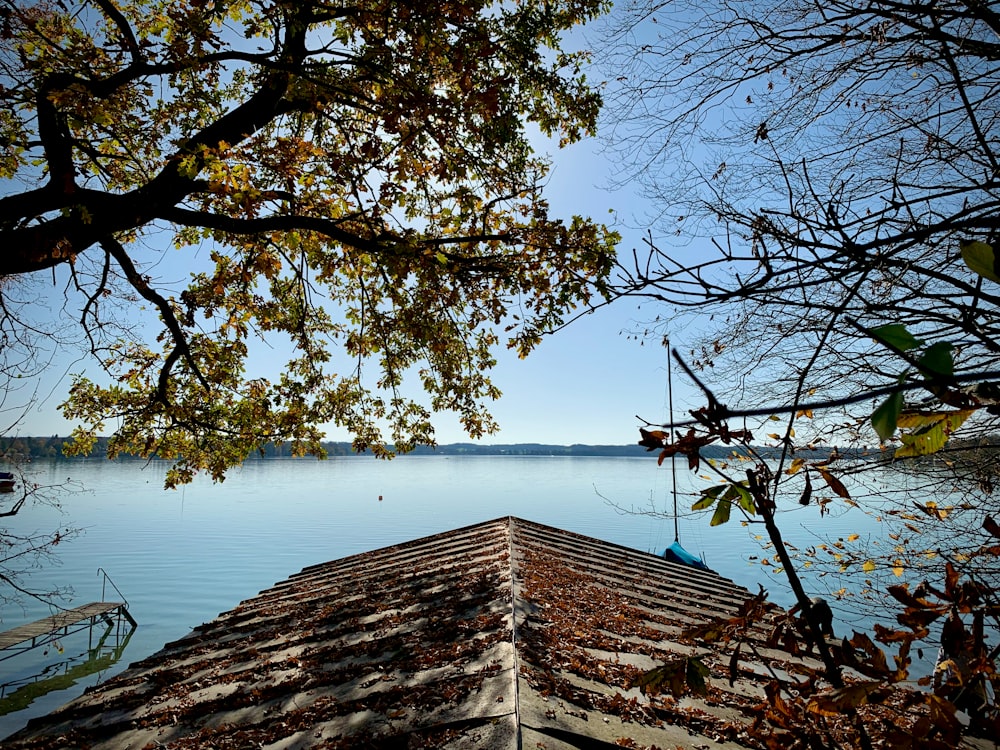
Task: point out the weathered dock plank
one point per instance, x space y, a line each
56 622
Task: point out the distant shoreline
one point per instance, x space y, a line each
51 447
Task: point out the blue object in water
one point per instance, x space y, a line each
676 553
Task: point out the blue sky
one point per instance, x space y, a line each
587 382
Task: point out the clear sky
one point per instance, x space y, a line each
587 382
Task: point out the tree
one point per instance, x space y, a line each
23 549
842 160
361 175
825 178
842 157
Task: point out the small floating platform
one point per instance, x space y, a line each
33 634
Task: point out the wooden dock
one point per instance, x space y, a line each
62 623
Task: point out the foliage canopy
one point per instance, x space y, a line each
361 175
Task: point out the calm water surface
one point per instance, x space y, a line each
182 557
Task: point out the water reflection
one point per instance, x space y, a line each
99 656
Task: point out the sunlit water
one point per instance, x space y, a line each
182 557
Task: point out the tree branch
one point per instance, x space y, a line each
181 348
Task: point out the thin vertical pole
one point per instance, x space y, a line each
673 459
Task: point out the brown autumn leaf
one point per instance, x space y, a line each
954 636
885 635
780 712
902 661
992 526
688 445
806 492
652 440
710 632
734 664
951 582
919 619
944 715
833 483
873 664
901 593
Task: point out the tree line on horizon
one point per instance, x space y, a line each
52 447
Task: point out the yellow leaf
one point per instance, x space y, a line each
868 567
797 464
949 665
932 510
929 431
853 537
898 571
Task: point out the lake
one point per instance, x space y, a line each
181 557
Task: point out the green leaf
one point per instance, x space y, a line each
885 417
709 496
745 498
896 335
936 359
980 258
696 674
721 514
678 676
